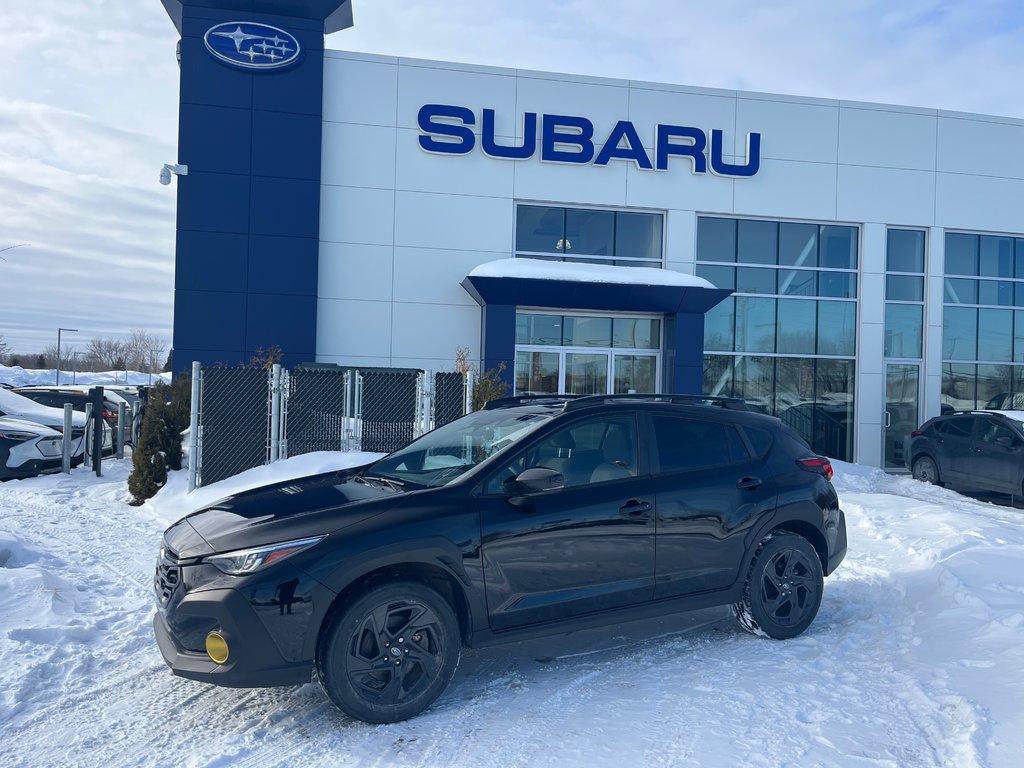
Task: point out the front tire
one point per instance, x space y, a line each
926 470
390 653
783 589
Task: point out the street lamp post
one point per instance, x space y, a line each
59 331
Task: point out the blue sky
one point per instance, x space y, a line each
88 108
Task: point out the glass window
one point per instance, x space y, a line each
798 282
578 451
1018 337
797 327
838 321
798 245
718 375
1019 258
794 382
539 329
720 277
536 373
635 373
998 292
540 229
959 291
838 247
1018 295
737 448
961 426
960 333
905 250
587 332
755 324
995 334
904 288
589 232
754 381
755 280
995 256
959 386
757 242
586 374
718 326
685 444
638 235
833 412
994 383
636 332
837 285
903 328
716 239
994 432
961 254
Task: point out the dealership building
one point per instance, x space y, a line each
853 268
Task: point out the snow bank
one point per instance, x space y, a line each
26 377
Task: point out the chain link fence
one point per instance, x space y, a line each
234 411
247 417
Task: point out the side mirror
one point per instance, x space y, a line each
539 479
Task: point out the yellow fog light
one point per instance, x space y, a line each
217 647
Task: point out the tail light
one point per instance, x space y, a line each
916 433
818 464
109 414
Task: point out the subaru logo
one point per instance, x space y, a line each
248 45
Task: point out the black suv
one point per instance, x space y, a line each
532 516
976 450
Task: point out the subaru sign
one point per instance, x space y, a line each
445 129
248 45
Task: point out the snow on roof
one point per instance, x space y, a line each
538 269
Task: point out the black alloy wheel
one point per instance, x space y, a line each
784 587
926 470
389 654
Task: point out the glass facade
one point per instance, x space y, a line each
982 321
586 354
591 235
786 340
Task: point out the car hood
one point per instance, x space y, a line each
295 509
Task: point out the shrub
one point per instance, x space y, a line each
167 413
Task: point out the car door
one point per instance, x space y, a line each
997 456
709 488
585 546
953 446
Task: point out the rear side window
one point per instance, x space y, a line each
760 439
959 427
688 443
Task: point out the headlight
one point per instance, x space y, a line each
245 561
13 434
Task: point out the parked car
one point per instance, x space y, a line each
27 449
973 450
20 407
532 516
78 396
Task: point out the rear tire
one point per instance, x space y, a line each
390 652
926 470
783 589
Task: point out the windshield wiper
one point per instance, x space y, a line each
390 482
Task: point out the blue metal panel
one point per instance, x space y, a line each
265 326
225 150
212 202
498 332
211 319
204 81
226 265
283 265
335 15
289 159
689 354
288 207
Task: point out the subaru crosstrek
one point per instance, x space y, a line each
532 516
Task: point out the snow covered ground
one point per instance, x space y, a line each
916 658
17 376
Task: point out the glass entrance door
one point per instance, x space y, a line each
902 411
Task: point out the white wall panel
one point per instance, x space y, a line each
679 187
472 174
435 276
358 155
981 147
603 105
789 131
884 138
457 222
681 241
357 215
360 91
353 328
571 183
790 189
650 106
979 202
350 271
420 83
435 330
886 195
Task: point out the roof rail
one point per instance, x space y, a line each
506 402
732 403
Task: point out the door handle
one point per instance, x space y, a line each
634 508
748 483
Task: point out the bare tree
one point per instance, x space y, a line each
103 354
143 351
4 347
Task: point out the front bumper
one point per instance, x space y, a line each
254 660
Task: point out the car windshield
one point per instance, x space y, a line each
447 452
